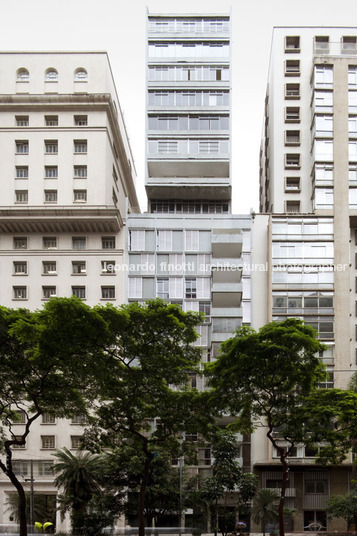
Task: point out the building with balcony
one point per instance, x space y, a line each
67 187
308 224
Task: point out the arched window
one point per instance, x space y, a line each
23 75
51 75
80 75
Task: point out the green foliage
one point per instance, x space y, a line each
344 506
265 507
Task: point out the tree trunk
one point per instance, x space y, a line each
142 493
7 469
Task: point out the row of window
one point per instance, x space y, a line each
51 75
167 240
188 98
51 120
188 122
51 146
52 242
20 292
199 73
50 267
48 442
50 172
348 44
50 196
78 418
170 288
188 25
193 49
188 207
188 147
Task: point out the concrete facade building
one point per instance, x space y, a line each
307 189
67 186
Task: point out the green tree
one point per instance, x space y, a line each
227 477
262 377
344 506
78 478
265 507
45 358
144 403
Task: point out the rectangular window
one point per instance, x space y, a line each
79 242
137 240
51 172
19 293
292 137
48 292
292 161
108 242
292 91
22 146
80 120
292 68
49 242
293 206
162 288
22 172
292 43
205 307
20 268
20 242
19 445
349 44
322 45
108 293
48 419
79 267
50 196
292 184
51 120
51 146
79 196
49 267
21 196
192 240
80 146
79 292
292 114
76 442
22 120
108 267
80 172
48 442
190 287
79 418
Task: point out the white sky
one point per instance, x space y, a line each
118 27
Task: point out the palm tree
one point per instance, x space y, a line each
78 477
264 506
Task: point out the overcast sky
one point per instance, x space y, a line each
118 27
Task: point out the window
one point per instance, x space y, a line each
292 161
292 68
51 120
79 292
292 184
80 120
79 242
205 307
349 44
22 75
292 114
108 242
190 287
19 293
192 240
48 442
49 242
108 293
49 267
51 172
292 137
352 75
80 196
22 120
292 91
21 196
80 75
322 45
76 442
323 76
51 75
79 418
48 419
79 267
20 243
293 206
80 172
108 267
48 292
315 486
22 146
50 196
80 146
292 43
162 288
51 146
22 172
18 416
20 268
